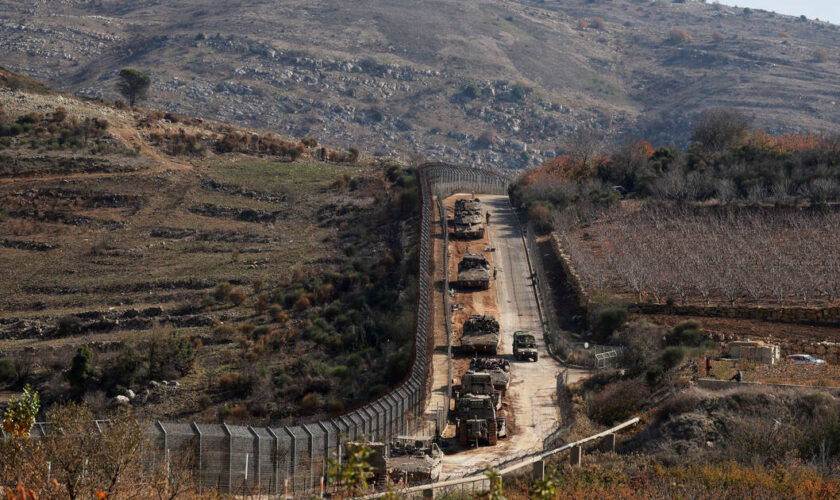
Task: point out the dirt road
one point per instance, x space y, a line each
531 395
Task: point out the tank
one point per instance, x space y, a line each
497 368
475 416
525 346
414 460
468 221
473 272
480 335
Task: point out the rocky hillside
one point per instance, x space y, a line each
486 82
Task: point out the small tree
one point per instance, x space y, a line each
81 369
720 128
133 85
19 417
679 35
351 475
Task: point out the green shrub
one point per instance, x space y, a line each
170 356
81 369
654 374
608 321
686 333
672 356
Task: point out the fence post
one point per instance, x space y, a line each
200 457
257 458
311 483
275 472
575 456
293 461
539 470
230 457
608 444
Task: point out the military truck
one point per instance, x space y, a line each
473 272
479 382
524 346
480 334
497 368
414 460
468 223
476 420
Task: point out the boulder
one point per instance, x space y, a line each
120 401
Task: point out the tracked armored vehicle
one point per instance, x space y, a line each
525 346
480 335
468 222
479 383
414 460
473 272
475 416
497 368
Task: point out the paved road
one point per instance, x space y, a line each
531 395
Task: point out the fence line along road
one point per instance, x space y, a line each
292 460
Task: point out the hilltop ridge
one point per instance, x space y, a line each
485 82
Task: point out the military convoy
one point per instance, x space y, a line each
473 272
524 346
468 223
480 335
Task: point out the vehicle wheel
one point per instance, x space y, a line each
492 433
462 434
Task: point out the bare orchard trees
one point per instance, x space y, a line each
711 255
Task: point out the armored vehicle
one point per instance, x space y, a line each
480 334
524 346
473 272
479 382
499 370
414 460
475 416
468 223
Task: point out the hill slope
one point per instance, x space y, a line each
389 76
178 248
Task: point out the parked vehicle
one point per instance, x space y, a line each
498 368
805 359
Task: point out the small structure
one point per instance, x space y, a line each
754 350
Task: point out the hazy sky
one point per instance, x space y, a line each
825 10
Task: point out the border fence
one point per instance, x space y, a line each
293 460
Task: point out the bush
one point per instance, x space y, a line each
222 291
224 331
7 371
686 333
718 36
170 356
235 382
310 403
597 23
81 368
608 321
679 35
618 402
470 91
819 55
654 374
237 297
672 356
